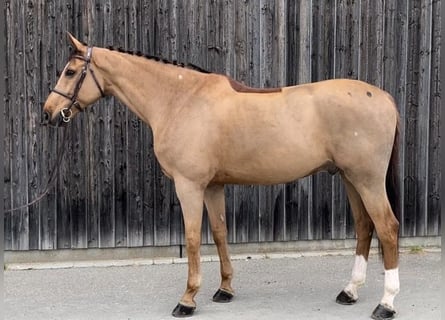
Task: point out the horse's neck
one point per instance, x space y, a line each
148 88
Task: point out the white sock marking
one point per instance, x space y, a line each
358 276
392 287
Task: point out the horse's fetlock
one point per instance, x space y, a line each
227 275
194 284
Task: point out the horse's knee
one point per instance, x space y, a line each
193 242
219 237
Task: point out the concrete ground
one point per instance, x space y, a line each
277 287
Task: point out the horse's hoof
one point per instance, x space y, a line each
344 298
182 311
383 313
222 296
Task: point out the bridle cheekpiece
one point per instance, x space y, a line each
66 112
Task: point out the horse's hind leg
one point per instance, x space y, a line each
364 229
375 200
214 200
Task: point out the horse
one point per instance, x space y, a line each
210 130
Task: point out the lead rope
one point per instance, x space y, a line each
52 177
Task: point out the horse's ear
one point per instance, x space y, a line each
77 45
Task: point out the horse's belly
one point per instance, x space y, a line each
269 171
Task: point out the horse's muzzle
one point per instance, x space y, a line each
53 122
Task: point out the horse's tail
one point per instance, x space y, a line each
393 180
393 176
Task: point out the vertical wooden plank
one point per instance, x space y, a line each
8 159
323 205
216 51
423 117
292 21
292 210
323 37
412 205
303 198
433 223
305 36
47 207
31 92
229 37
371 55
390 49
14 219
245 207
280 44
19 174
346 39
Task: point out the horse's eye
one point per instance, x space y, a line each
70 73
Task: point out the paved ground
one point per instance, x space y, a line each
280 288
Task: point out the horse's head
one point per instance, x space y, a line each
78 87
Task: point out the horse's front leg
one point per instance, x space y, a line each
214 200
191 197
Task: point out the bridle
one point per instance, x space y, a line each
66 112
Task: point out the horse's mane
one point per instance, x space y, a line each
156 58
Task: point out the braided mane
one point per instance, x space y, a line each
158 59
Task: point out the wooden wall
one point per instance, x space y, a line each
110 191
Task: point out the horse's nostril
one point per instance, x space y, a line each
45 117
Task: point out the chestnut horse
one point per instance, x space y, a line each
210 130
